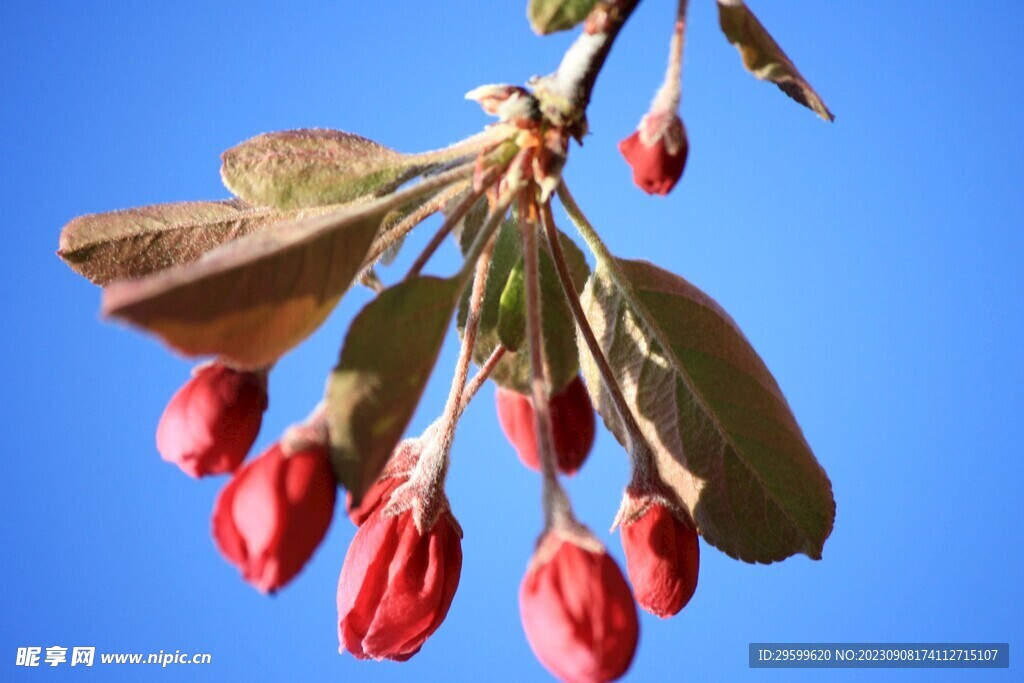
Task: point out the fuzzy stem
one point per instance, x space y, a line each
432 467
403 227
451 220
462 149
644 470
481 376
637 446
557 511
565 94
312 432
669 94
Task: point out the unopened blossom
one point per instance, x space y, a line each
662 554
657 152
572 424
397 584
210 424
577 611
274 513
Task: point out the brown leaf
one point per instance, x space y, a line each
132 243
763 57
253 299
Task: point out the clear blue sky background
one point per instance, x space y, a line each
875 263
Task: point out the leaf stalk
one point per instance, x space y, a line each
644 473
557 510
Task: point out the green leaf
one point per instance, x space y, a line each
311 167
724 437
253 299
388 356
468 228
549 16
317 167
512 310
132 243
562 356
763 57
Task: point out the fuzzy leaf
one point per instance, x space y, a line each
311 167
513 371
724 437
389 353
763 57
252 300
317 167
132 243
549 16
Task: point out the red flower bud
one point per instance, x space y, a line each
662 556
273 514
397 584
210 424
572 421
657 152
578 613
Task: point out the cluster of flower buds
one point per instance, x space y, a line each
249 278
578 610
403 566
402 569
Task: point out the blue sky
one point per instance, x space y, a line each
874 263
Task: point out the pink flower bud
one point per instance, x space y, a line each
662 555
578 613
273 514
210 424
657 152
397 584
572 421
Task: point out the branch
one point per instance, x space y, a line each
565 94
